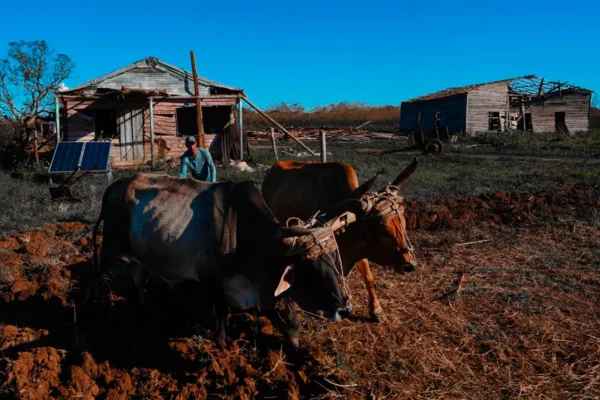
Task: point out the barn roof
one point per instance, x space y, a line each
160 65
521 85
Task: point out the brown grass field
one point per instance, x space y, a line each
505 302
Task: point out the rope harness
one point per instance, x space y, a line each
383 205
321 241
317 243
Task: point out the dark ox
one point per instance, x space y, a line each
304 188
221 234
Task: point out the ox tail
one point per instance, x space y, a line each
96 273
96 254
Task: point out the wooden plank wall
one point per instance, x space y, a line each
481 103
165 129
576 107
151 78
452 111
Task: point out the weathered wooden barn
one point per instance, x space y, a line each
523 103
116 107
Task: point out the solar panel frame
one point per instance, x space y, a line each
92 155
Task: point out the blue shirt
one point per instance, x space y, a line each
201 166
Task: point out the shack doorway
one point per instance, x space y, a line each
105 124
528 122
131 131
560 123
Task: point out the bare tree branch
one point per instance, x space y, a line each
28 77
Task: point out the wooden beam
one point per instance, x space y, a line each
199 121
151 106
540 89
258 110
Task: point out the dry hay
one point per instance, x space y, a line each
505 305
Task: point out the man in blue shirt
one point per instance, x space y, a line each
199 162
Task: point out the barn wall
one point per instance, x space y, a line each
80 127
490 98
576 107
452 109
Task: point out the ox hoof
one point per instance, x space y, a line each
377 315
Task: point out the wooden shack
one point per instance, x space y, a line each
116 107
523 103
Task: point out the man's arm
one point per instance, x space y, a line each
212 171
183 168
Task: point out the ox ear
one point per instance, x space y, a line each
404 175
364 188
286 280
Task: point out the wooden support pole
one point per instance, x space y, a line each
278 125
241 127
57 118
199 121
151 106
35 146
323 146
273 144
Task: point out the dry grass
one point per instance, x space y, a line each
500 319
345 115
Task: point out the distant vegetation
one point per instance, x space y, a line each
340 115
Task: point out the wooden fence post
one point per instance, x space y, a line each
323 147
35 146
273 143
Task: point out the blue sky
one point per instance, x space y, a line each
319 52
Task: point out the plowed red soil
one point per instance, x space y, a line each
505 304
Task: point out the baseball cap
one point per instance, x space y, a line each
189 140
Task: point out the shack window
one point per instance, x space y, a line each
438 117
494 121
418 119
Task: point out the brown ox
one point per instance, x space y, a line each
301 189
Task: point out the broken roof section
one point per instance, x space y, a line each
528 85
146 67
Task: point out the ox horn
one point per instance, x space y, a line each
365 187
288 235
404 175
343 220
355 206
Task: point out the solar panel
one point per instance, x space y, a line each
95 156
89 156
66 157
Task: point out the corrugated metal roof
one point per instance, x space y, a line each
177 72
465 89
